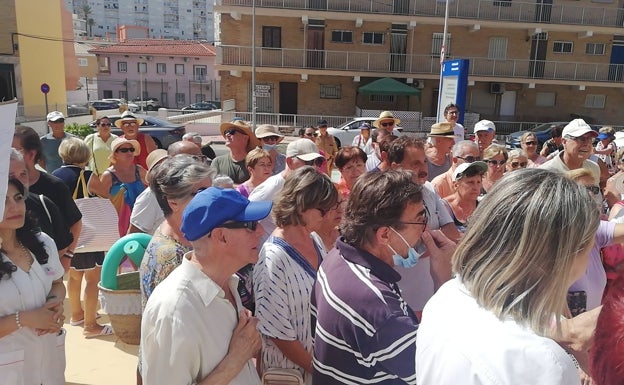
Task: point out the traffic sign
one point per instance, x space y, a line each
45 88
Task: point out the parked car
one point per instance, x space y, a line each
131 106
77 109
201 106
345 133
103 105
162 131
542 131
149 104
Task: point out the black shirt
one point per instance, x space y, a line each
54 188
53 224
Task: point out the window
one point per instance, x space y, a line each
545 99
180 99
141 67
342 37
161 68
123 95
498 48
436 44
595 101
272 37
372 38
595 49
82 62
179 69
200 98
199 73
381 98
107 94
122 66
330 91
563 47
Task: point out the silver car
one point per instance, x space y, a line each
345 133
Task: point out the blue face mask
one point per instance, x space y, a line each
412 255
269 147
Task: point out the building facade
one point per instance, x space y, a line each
176 72
166 19
542 60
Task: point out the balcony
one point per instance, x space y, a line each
501 10
414 65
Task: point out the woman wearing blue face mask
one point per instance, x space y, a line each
270 138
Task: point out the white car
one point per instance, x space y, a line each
131 106
345 133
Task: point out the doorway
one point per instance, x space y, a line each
508 103
315 45
616 63
288 98
537 62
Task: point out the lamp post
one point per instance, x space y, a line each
442 56
253 65
141 83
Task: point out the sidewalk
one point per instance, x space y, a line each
97 361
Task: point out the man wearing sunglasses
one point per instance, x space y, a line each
299 153
51 141
240 140
465 151
578 138
196 314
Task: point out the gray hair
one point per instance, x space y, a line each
459 147
516 153
512 260
223 181
175 177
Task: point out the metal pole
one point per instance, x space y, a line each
141 83
442 55
253 66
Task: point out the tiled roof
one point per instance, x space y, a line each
159 47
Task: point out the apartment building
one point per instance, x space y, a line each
176 72
166 19
541 60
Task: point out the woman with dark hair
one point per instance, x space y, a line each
351 162
99 144
553 145
286 269
32 348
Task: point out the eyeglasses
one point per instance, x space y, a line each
125 149
200 158
582 139
129 124
310 134
530 143
453 113
325 211
516 164
495 162
387 124
424 214
230 132
58 121
270 138
469 158
105 124
251 225
318 162
593 189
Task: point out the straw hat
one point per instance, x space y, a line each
265 130
117 142
442 130
127 116
241 127
384 116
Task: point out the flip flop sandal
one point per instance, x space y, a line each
80 322
107 330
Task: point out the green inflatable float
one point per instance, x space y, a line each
132 245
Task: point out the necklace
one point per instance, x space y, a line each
21 255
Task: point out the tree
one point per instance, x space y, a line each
90 24
86 12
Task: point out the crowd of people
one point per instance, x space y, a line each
434 260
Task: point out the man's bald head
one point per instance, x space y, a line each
183 147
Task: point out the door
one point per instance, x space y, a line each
508 103
315 46
539 46
288 99
616 66
543 9
7 82
398 47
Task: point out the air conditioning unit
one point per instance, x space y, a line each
185 59
497 88
420 84
148 58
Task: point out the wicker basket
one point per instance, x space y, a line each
123 307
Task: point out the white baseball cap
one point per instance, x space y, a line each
54 116
484 125
303 149
479 166
577 128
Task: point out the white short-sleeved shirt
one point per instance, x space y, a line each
459 132
186 329
556 164
416 282
146 212
459 342
25 357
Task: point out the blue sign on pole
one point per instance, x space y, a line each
45 88
454 85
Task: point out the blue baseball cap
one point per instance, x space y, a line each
603 136
214 206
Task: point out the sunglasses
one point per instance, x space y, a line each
310 134
495 162
469 158
105 124
125 149
593 189
318 162
516 164
530 143
251 225
270 138
387 124
231 132
129 124
58 121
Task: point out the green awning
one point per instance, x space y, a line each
388 86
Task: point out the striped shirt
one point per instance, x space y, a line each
365 333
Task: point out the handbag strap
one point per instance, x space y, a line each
45 207
79 182
93 155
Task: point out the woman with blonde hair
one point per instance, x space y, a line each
529 143
260 167
495 156
513 269
284 275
